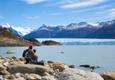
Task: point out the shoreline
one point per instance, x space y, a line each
14 69
46 42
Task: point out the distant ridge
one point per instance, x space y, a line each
101 30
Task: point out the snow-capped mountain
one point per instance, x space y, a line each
44 31
72 30
77 25
44 27
6 25
76 30
82 25
23 30
51 28
10 28
106 31
19 31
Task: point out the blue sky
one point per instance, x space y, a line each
34 13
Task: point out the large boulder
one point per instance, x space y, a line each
77 74
108 75
56 65
27 68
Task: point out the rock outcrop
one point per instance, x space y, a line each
108 75
50 42
15 69
77 74
27 68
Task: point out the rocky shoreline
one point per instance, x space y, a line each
32 43
15 69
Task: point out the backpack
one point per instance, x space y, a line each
24 53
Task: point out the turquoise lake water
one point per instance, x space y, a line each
74 51
103 56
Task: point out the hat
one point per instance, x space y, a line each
30 47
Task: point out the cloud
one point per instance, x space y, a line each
34 1
106 14
109 12
96 9
71 4
1 17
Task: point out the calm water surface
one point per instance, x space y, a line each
103 56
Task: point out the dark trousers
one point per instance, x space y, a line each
35 58
28 60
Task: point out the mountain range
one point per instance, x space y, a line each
104 30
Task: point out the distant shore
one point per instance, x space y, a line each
27 43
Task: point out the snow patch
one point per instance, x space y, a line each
23 30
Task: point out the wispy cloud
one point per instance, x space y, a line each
93 9
71 4
34 1
106 14
1 17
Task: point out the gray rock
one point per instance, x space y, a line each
1 67
37 77
71 66
32 77
6 64
14 58
108 75
29 77
57 66
20 78
9 77
3 70
48 78
27 68
18 75
21 59
76 74
50 61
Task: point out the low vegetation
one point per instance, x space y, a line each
9 39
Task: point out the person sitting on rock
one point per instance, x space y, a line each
31 57
28 54
34 57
